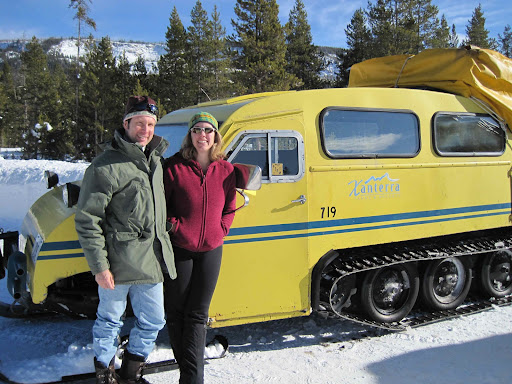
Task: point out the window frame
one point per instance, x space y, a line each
242 137
466 154
368 156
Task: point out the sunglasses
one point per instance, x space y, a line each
145 107
198 130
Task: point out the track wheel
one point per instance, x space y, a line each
389 293
496 274
445 283
341 291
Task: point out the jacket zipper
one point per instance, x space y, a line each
203 221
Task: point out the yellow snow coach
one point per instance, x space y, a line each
387 202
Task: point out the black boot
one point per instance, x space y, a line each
131 369
105 375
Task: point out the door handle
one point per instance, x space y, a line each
301 199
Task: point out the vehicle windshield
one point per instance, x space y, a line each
174 134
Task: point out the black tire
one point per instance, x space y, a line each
496 274
445 283
389 293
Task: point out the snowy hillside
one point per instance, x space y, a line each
150 52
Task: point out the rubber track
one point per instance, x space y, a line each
368 258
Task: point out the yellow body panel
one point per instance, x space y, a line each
52 247
60 257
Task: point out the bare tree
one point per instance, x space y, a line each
82 15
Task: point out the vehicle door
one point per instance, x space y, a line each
264 272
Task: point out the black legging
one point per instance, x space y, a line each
187 301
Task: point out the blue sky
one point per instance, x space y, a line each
148 20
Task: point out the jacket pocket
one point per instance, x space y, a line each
126 236
132 257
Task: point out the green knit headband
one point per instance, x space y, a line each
203 116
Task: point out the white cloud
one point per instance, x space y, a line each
11 34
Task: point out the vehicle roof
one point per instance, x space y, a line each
281 103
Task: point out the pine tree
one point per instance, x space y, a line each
102 102
125 81
4 101
402 26
12 121
359 41
442 36
260 47
140 71
380 18
221 85
302 57
39 97
200 52
59 141
454 38
174 78
7 102
476 32
426 24
506 41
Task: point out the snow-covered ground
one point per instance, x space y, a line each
473 349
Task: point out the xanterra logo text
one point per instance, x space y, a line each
375 187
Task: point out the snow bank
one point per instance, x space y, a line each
22 183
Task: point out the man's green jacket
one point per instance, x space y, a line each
120 218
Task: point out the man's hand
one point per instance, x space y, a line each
105 279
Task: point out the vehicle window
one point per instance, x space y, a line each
279 154
284 156
468 135
174 134
365 133
254 151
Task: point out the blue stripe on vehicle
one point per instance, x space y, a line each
362 220
60 246
359 229
55 257
497 209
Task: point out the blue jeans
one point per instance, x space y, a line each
147 302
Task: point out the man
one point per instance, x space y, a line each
120 221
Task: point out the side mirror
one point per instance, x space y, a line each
248 177
52 179
70 193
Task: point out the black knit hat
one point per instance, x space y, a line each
140 105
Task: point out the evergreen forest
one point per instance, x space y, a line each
56 108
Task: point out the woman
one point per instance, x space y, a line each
201 197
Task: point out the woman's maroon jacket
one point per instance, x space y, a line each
200 206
